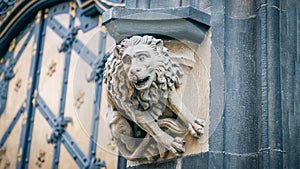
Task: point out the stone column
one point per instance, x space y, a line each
240 114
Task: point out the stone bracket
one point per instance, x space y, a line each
182 23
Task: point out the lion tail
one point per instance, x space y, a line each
172 126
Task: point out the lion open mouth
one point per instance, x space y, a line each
142 83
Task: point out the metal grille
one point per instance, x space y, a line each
45 50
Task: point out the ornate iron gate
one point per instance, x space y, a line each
51 88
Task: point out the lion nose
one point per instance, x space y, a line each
135 71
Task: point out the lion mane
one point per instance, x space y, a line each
168 76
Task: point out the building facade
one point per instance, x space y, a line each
241 66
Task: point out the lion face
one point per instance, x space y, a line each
141 73
139 64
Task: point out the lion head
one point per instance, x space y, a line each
140 72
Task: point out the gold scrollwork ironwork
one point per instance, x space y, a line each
7 163
79 100
29 84
12 45
46 13
72 10
2 152
19 156
24 120
34 98
40 158
38 17
18 84
51 68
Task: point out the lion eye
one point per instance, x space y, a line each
126 60
142 57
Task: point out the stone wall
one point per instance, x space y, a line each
254 87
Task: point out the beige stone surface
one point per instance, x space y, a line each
194 92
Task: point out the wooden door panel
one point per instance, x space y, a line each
66 127
41 153
9 159
51 78
22 40
83 94
17 87
78 106
106 147
67 160
88 43
63 19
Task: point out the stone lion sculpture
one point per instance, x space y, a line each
147 117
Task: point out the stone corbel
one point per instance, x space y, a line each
182 23
152 115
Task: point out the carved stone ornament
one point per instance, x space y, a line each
147 117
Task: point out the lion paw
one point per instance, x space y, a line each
196 128
177 146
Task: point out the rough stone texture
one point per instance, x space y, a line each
170 164
185 23
255 72
240 114
199 161
145 85
203 5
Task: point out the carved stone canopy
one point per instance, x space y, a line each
184 23
147 117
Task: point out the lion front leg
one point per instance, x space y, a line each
195 125
122 133
175 145
145 121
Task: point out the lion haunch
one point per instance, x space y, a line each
147 117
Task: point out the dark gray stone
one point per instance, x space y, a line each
217 77
289 67
199 161
170 164
241 161
240 116
165 3
131 3
151 4
216 160
186 23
